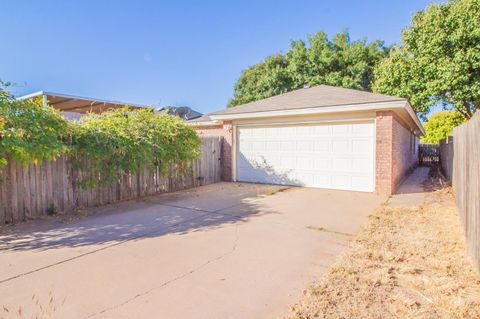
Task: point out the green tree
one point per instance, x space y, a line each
440 125
29 132
262 80
339 62
439 61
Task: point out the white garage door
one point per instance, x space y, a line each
338 156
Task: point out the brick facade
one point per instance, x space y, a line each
396 152
226 131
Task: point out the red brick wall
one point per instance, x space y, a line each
383 156
225 130
405 155
394 155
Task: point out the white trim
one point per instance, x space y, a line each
313 110
204 123
44 100
394 105
66 96
375 155
234 152
29 96
414 116
306 122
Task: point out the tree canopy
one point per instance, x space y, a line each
440 125
338 61
439 61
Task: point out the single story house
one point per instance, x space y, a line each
322 136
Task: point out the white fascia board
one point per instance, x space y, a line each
204 123
73 97
414 116
31 95
394 105
314 110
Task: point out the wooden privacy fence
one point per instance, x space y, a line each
446 157
428 154
32 191
466 181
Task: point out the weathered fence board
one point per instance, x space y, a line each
428 154
30 191
466 181
446 157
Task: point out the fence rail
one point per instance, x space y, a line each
31 191
428 154
466 181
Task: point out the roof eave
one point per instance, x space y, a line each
392 105
414 117
31 95
312 110
67 96
204 123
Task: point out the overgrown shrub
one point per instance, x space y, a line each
121 140
30 132
111 144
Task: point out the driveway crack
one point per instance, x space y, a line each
117 243
168 282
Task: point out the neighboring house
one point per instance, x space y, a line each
322 136
184 112
73 107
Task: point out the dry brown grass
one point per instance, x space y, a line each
36 308
408 262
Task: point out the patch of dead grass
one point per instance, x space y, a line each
408 262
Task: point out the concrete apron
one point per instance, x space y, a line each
411 192
219 251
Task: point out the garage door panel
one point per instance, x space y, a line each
361 182
341 146
343 165
305 146
362 129
322 164
342 130
321 145
336 156
362 165
322 131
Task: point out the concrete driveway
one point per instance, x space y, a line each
220 251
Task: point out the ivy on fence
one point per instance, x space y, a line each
116 142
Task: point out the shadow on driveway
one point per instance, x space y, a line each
182 212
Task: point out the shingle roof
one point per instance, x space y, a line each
203 118
317 96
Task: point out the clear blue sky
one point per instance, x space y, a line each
170 52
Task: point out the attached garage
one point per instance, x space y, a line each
324 136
